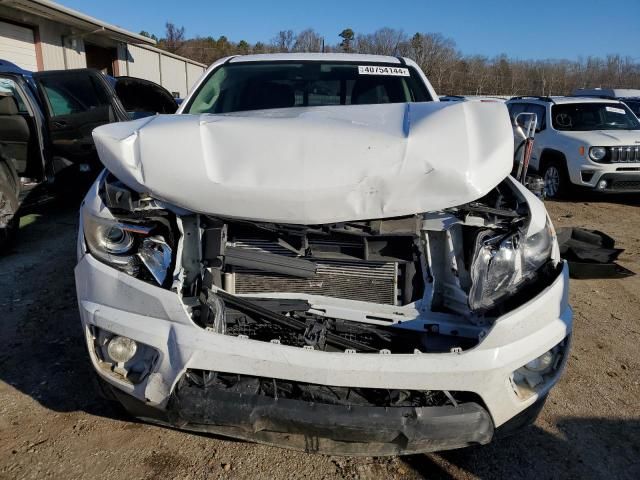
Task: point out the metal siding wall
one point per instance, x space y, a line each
76 57
51 46
173 75
122 59
143 64
17 45
194 72
50 33
137 61
53 52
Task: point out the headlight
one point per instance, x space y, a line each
503 262
129 247
537 248
597 153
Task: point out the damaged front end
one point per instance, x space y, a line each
429 283
414 301
432 282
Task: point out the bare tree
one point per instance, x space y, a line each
173 37
283 41
308 41
385 41
449 70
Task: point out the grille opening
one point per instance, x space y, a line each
625 185
366 281
625 153
344 275
323 394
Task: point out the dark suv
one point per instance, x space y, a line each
46 120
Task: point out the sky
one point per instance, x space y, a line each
525 30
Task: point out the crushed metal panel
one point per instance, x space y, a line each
315 165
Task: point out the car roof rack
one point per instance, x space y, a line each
536 97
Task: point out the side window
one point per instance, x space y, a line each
9 87
634 105
540 111
515 109
69 94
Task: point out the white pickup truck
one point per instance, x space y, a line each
318 254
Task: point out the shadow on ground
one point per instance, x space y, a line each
595 197
42 350
585 448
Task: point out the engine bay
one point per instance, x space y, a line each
430 282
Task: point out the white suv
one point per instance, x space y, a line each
587 142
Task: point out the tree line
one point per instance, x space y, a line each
450 71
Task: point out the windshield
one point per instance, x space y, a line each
238 87
593 116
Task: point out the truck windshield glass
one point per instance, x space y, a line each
593 116
246 86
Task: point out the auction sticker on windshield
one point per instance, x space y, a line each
381 70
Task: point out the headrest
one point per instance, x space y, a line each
367 91
270 95
8 105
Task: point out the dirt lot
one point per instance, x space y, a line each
52 425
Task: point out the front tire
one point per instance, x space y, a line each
556 180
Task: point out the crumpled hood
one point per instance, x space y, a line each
315 165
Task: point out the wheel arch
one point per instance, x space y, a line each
549 155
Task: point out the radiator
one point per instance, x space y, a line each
374 282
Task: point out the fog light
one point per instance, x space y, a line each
602 184
121 349
538 373
540 364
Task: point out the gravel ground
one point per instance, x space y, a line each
52 424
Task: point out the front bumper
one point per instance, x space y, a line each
120 304
621 182
319 428
620 177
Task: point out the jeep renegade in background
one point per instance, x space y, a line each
587 142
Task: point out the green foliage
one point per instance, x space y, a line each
144 33
347 36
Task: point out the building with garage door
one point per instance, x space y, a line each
42 35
